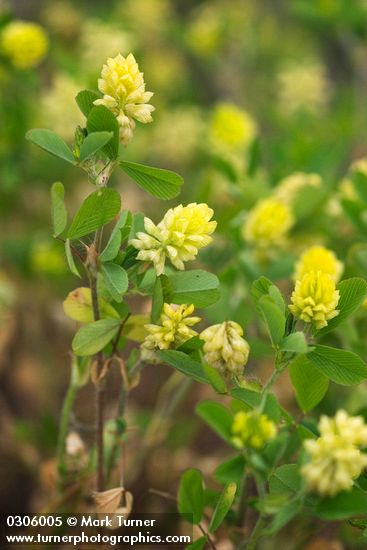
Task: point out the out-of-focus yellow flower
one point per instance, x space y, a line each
64 19
58 107
314 299
174 328
288 188
352 429
183 231
25 44
123 88
231 127
318 258
47 259
146 15
225 349
251 429
267 224
303 87
335 457
359 165
111 40
204 33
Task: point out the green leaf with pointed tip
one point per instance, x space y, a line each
59 213
70 259
97 209
93 143
184 364
162 184
157 300
51 142
232 470
92 338
100 119
352 294
115 279
219 418
294 343
273 317
309 382
215 379
344 505
190 496
196 287
85 100
223 506
114 242
341 366
199 544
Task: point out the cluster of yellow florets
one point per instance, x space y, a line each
183 231
318 258
231 127
251 429
335 457
24 43
315 299
225 348
174 328
267 224
123 88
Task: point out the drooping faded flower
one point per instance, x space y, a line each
183 231
174 328
268 224
225 348
335 457
24 43
318 258
251 429
123 89
315 299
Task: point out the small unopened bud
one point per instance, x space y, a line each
225 349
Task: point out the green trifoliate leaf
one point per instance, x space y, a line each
92 338
93 143
191 496
162 184
115 279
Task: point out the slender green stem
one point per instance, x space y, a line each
64 426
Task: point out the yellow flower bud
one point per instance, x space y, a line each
183 231
314 299
267 224
251 429
25 44
174 328
335 459
225 349
123 89
318 258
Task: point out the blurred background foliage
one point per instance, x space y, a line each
247 94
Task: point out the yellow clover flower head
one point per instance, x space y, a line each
183 231
123 89
251 429
24 43
267 224
314 299
318 258
174 328
335 457
225 348
232 127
